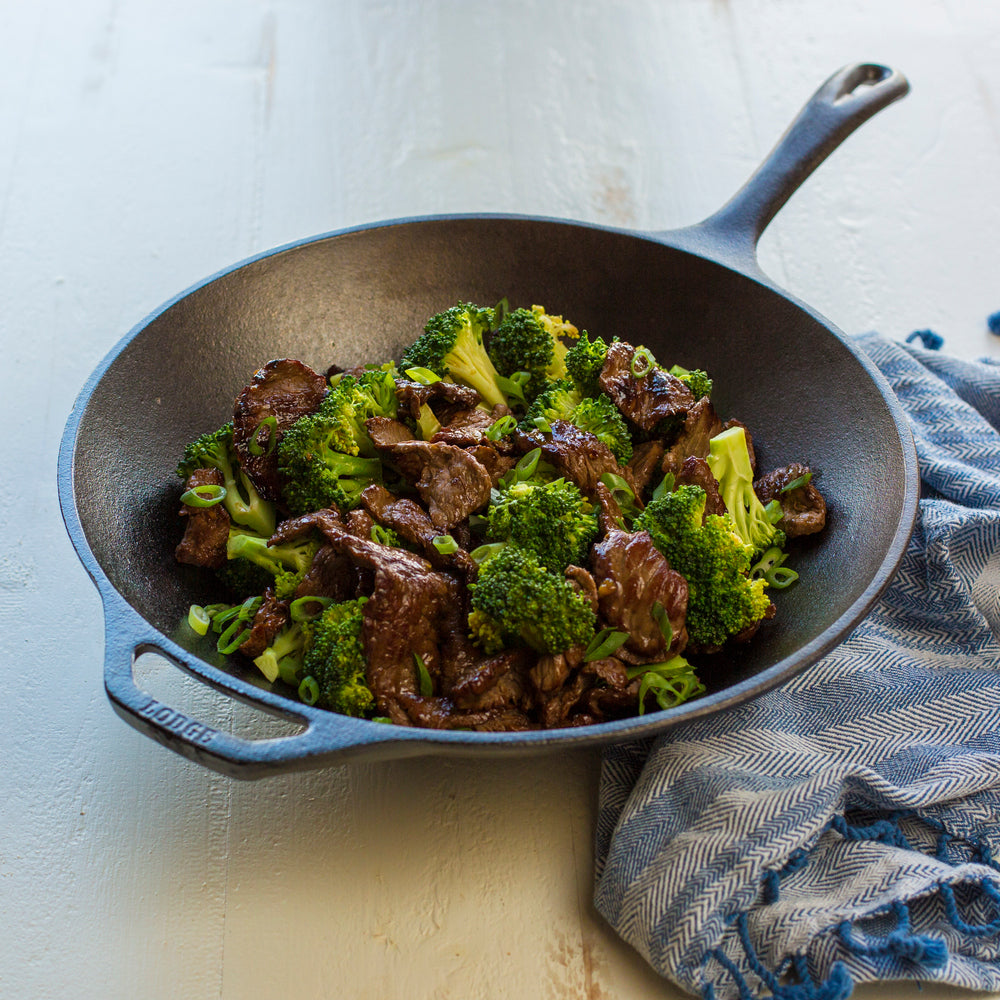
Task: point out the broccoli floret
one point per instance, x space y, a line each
553 520
722 599
285 564
326 458
452 345
244 578
696 380
333 667
584 361
245 505
515 599
283 658
556 401
528 340
729 460
599 415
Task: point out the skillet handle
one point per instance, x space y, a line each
327 736
848 99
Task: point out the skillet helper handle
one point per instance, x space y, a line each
126 638
845 101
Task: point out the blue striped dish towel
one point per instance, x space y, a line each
844 827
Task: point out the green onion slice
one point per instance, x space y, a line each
422 375
604 644
271 442
485 552
500 311
204 496
780 577
796 483
526 467
672 682
773 511
309 690
299 609
381 535
501 428
199 619
662 619
643 362
445 544
666 486
426 683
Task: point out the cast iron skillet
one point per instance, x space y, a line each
695 296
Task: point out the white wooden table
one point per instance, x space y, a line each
146 145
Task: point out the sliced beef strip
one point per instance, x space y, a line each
701 424
385 432
206 529
555 708
272 616
695 472
583 583
299 527
578 455
496 682
632 576
285 389
497 465
449 480
359 523
331 574
402 619
469 427
803 509
648 400
444 398
644 465
413 524
610 516
613 695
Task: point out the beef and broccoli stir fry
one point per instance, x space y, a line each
513 526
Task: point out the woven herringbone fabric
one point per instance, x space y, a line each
843 827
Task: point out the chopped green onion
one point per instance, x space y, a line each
604 644
623 494
334 379
677 371
271 423
780 577
769 568
662 619
672 682
500 311
643 362
233 637
773 511
445 544
382 535
383 719
526 467
240 620
422 375
309 690
204 496
543 425
427 424
666 486
796 483
501 428
484 552
288 670
199 619
299 609
513 387
424 677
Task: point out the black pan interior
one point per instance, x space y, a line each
364 295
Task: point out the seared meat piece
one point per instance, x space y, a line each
648 400
695 472
385 432
331 574
402 619
610 516
644 465
468 427
359 523
632 576
449 480
444 398
700 425
206 529
272 616
555 708
411 522
551 671
613 694
299 527
583 583
495 464
497 681
803 509
286 390
577 454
